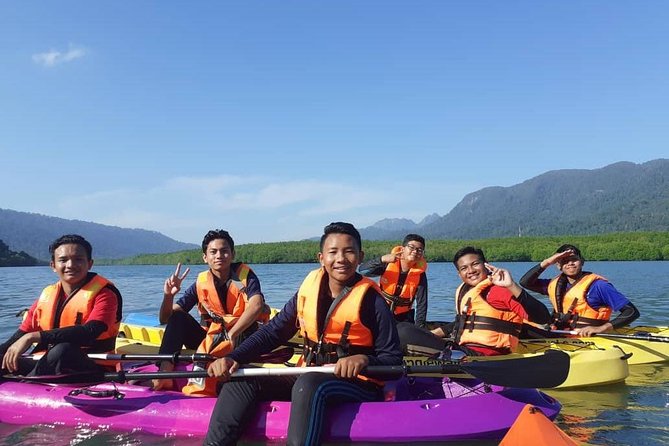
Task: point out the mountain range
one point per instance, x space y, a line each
32 234
620 197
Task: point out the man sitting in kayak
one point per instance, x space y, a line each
490 309
79 314
582 301
403 279
344 321
230 302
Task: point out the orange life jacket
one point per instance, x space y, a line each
401 302
344 333
220 318
479 323
579 313
76 310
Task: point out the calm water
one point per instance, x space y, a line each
634 413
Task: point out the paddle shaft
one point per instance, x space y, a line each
547 370
636 337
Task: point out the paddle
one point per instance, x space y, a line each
640 336
547 370
274 357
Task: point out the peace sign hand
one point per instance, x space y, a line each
499 276
173 283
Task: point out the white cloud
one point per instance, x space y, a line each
251 208
55 57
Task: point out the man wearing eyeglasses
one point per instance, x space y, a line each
403 279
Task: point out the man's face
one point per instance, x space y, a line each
340 257
471 269
571 266
71 263
413 251
218 255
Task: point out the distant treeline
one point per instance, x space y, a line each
617 246
12 258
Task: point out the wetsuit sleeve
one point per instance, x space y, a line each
276 332
375 315
421 301
535 310
372 268
532 282
189 298
628 314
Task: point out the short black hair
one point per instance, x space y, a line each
468 250
71 239
215 234
340 227
568 247
413 237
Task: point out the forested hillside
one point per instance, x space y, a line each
11 258
621 197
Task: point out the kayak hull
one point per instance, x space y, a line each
471 411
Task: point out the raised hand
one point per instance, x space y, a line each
552 260
499 276
173 283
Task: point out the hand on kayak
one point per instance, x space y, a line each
222 368
351 366
10 360
592 330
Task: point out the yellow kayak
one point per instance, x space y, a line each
590 365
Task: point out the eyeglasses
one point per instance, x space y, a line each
416 249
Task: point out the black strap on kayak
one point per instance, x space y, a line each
97 393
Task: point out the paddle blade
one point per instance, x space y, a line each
540 371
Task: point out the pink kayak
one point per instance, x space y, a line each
421 409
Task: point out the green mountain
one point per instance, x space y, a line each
11 258
32 233
621 197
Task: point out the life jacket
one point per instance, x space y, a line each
344 334
579 313
76 310
479 323
401 300
219 316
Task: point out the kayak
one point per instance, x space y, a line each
422 409
646 344
589 365
532 427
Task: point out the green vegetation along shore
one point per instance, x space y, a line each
616 246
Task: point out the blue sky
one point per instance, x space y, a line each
272 119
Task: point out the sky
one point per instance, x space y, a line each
273 118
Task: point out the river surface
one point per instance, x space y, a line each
633 413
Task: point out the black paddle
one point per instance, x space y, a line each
639 336
547 370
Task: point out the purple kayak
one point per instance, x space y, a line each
422 409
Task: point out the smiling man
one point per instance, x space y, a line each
344 321
581 300
403 279
230 302
79 314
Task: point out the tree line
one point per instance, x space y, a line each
614 246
